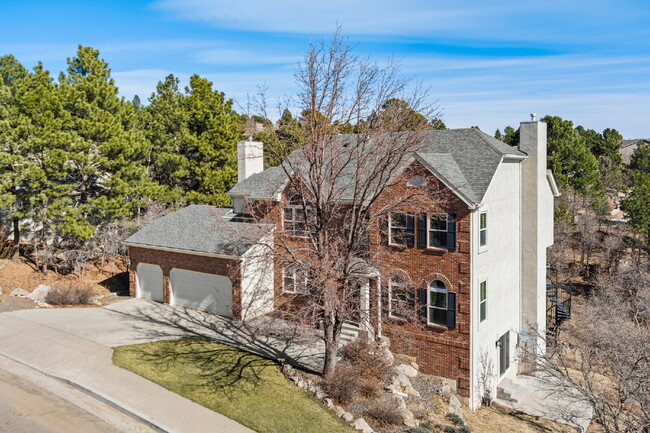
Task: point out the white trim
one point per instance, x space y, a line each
177 250
429 306
429 230
405 227
483 248
552 184
481 281
402 286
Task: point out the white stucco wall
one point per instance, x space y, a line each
257 279
499 265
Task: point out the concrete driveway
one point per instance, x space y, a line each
74 346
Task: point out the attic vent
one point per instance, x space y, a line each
416 180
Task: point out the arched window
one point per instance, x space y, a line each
438 304
400 298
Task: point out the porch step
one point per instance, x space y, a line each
349 332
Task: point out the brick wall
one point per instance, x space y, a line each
440 351
169 260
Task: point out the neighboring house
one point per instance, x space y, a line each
628 147
474 264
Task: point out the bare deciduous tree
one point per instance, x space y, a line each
334 181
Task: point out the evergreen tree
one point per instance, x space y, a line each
105 149
637 205
193 139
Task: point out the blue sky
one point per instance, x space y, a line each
489 63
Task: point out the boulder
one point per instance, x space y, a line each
347 417
399 401
402 380
288 370
415 365
388 355
454 406
96 300
43 305
21 293
407 370
0 290
328 402
361 425
39 294
339 411
445 390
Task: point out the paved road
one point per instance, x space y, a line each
31 402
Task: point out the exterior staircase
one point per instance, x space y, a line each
350 331
504 391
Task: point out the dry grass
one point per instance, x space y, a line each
383 412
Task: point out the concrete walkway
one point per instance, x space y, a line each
534 396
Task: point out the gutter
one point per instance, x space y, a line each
181 251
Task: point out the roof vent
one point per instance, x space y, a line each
533 117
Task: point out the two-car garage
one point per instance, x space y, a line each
199 259
198 290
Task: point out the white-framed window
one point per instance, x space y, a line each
398 228
437 306
482 301
437 230
293 280
294 217
399 298
482 231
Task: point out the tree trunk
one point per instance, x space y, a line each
16 243
332 331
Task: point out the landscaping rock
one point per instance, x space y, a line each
43 305
445 390
454 406
288 370
21 293
295 377
361 425
328 402
390 388
0 290
403 380
39 294
407 370
96 300
320 394
415 365
412 391
339 411
347 417
388 355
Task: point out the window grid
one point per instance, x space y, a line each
397 228
482 301
483 229
437 230
437 301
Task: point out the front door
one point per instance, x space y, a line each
504 353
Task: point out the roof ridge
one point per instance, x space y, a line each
481 135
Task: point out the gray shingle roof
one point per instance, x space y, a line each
466 159
200 229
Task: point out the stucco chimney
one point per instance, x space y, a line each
250 158
537 225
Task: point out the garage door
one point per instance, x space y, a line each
150 281
205 292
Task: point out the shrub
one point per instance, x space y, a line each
72 295
368 356
344 384
424 428
384 412
455 419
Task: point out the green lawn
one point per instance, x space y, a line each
245 387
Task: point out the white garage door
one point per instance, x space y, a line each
150 281
205 292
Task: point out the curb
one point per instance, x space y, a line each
103 398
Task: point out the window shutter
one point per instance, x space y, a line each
451 232
422 300
383 229
410 228
451 310
422 230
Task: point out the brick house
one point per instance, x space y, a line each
472 264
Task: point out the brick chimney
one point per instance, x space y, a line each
250 158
